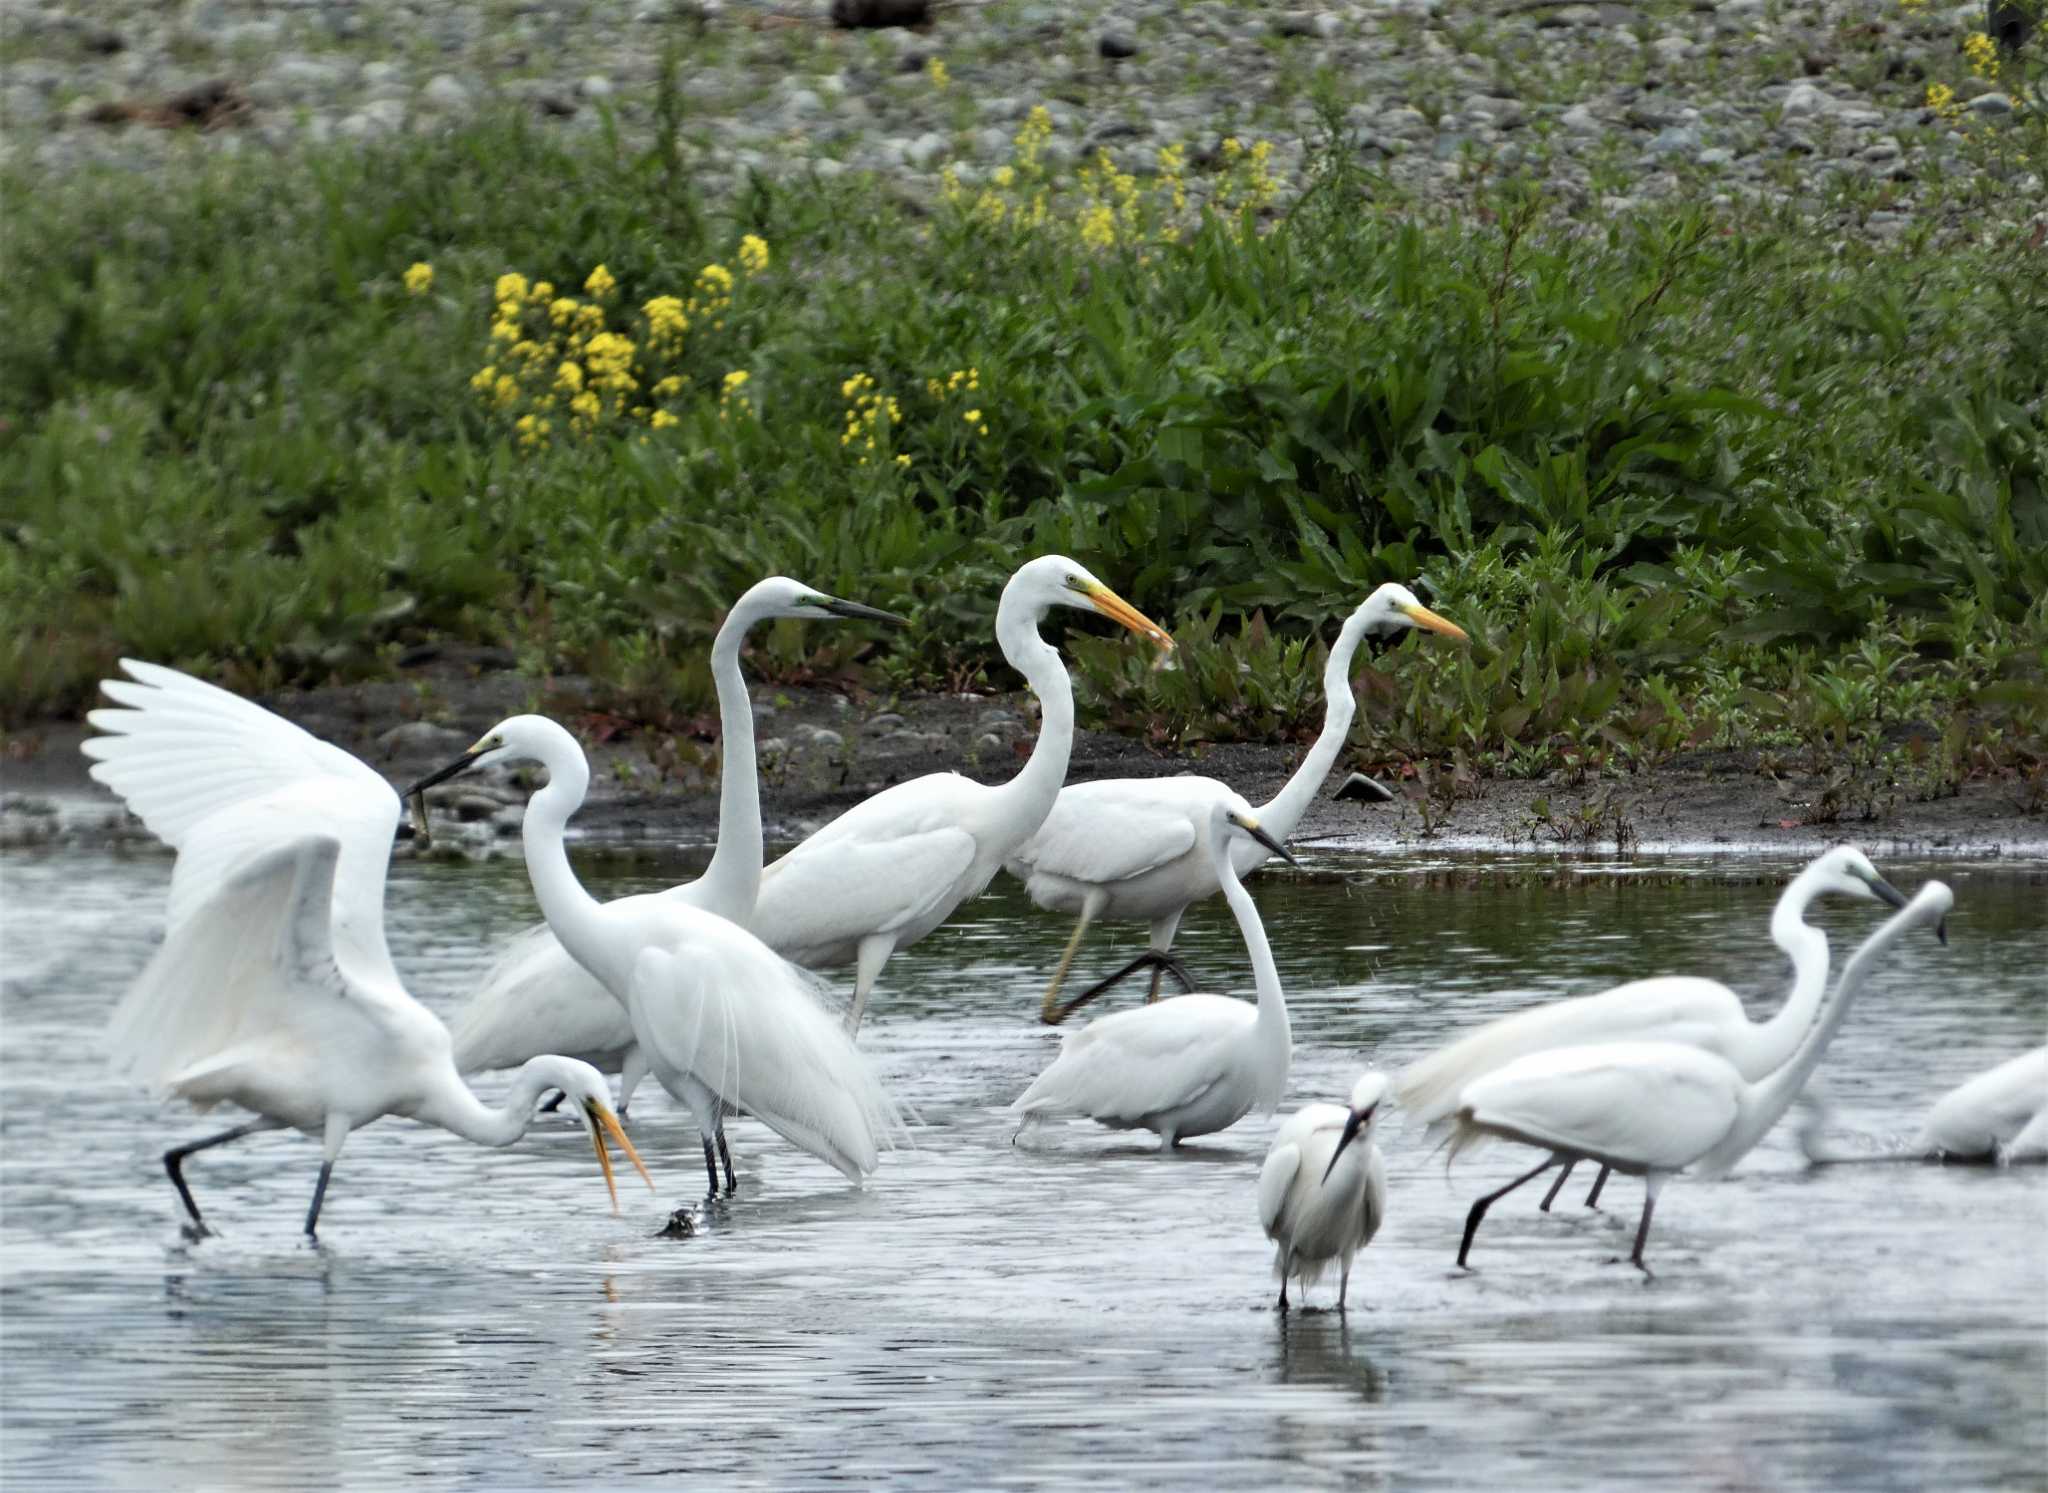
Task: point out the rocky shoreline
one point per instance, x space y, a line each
1820 106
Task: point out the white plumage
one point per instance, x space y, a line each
1323 1188
1188 1066
274 989
1985 1118
1652 1109
1130 849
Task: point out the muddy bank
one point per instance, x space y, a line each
821 751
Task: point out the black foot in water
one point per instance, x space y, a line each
1648 1273
732 1183
554 1102
682 1224
192 1233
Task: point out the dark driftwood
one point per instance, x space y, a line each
874 14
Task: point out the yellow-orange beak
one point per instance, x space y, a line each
1422 616
607 1123
1117 609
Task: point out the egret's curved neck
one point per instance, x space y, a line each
732 881
454 1107
1807 947
1285 809
1028 797
1768 1099
1273 1030
570 910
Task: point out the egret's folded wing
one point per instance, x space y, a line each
827 892
1125 1067
535 1000
1657 1103
1108 831
1275 1178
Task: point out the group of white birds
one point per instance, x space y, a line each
274 989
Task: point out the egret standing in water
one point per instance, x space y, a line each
1191 1065
274 990
724 1023
538 999
1669 1008
1323 1189
892 868
1653 1109
1131 848
1982 1119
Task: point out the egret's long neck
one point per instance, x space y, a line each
1807 947
733 879
1027 798
570 910
1768 1099
453 1106
1273 1031
1285 809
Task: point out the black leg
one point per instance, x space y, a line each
1479 1208
732 1183
1558 1186
555 1102
1643 1232
174 1163
1593 1197
319 1193
711 1164
1150 959
1283 1293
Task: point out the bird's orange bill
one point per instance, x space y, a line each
608 1124
1422 616
1117 609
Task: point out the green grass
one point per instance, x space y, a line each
1689 477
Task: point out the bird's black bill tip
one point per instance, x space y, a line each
857 612
1941 932
433 779
1271 844
1888 894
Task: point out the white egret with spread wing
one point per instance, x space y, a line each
1323 1189
1132 849
538 999
893 867
1668 1008
723 1022
1190 1065
274 989
1655 1108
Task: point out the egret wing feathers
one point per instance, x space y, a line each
1649 1104
535 999
1276 1180
1123 1068
1105 832
825 896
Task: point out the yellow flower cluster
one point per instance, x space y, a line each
419 277
563 362
870 416
1982 52
1942 100
936 71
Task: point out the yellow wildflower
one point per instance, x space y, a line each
1983 54
1002 176
673 384
511 288
587 405
562 309
715 278
600 282
543 290
734 379
569 378
484 377
1942 100
972 417
589 318
902 461
662 419
753 253
419 279
504 331
936 71
665 317
1098 226
506 390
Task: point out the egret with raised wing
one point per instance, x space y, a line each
274 989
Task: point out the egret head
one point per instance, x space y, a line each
1366 1095
516 738
1394 607
590 1096
1228 821
1847 870
1055 581
779 596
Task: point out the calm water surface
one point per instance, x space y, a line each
1080 1311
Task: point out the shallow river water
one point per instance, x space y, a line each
1077 1310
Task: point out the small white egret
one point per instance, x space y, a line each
1668 1008
893 867
1323 1189
1653 1109
537 999
1190 1065
1982 1119
1131 849
274 989
723 1022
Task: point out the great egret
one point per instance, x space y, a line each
1982 1119
1323 1189
1190 1065
2031 1144
1653 1109
892 868
274 989
537 999
1669 1008
724 1024
1131 848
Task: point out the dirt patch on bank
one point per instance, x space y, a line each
822 750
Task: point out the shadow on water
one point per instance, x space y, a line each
1073 1309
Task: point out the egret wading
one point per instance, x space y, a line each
1669 1008
893 867
1985 1118
1323 1189
1192 1064
538 999
1653 1109
723 1022
1130 849
274 990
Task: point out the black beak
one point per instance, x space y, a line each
854 611
1270 843
1351 1124
461 764
1888 894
